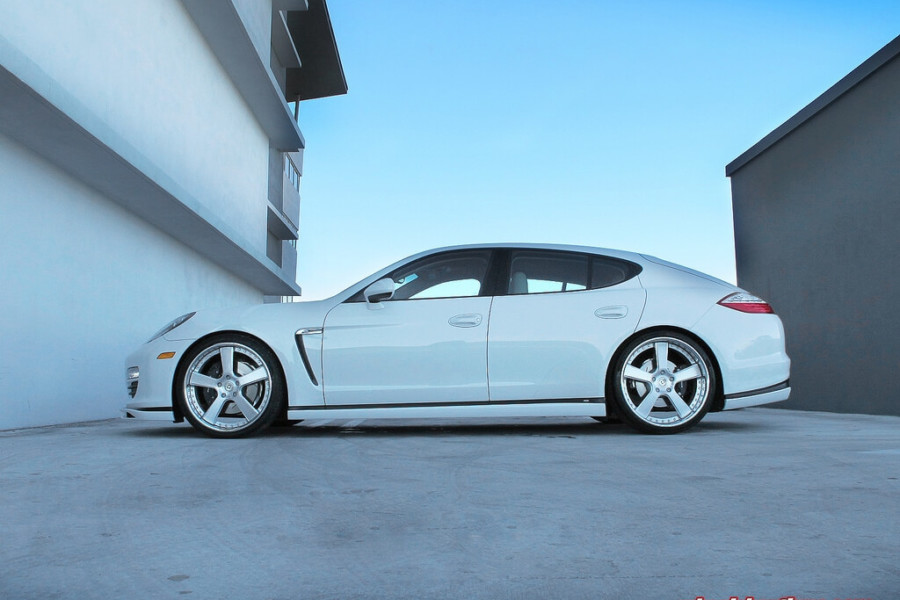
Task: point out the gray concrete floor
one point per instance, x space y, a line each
763 502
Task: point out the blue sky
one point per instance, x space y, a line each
570 121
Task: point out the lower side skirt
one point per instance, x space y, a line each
777 393
570 408
155 414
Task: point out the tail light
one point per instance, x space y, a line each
747 303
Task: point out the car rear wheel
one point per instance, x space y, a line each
664 382
230 386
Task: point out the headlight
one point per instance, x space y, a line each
179 321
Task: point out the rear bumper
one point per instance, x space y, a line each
749 349
776 393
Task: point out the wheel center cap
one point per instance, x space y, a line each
663 381
229 386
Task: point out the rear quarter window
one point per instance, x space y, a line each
607 272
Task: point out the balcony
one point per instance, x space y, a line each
221 24
283 209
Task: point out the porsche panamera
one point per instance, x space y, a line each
489 331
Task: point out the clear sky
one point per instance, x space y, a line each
569 121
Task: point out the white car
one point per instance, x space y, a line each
507 330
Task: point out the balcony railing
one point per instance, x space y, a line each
290 170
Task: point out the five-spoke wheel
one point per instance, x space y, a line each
664 382
230 386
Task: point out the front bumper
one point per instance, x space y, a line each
152 389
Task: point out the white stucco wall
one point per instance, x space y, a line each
145 70
256 15
83 283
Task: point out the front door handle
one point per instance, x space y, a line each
467 320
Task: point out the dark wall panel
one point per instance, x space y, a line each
817 224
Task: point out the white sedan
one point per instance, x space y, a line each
509 330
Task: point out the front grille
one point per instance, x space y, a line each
132 388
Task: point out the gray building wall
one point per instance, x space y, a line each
816 217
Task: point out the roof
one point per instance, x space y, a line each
321 73
625 254
854 78
644 260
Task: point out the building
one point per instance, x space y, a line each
149 166
816 212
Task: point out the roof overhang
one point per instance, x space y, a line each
51 122
226 34
854 78
321 73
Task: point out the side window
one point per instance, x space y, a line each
450 275
606 272
537 272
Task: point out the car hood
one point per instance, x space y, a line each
253 318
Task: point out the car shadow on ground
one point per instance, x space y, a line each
392 428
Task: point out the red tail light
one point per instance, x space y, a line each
747 303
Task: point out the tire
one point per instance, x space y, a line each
230 400
664 382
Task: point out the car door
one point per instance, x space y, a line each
427 344
551 334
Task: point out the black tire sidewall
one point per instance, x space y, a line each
622 407
273 410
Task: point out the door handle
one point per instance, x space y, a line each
611 312
467 320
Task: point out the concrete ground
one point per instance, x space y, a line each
766 503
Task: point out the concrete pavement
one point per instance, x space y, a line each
762 502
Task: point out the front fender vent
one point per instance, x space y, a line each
301 347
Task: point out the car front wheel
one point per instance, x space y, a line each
230 386
664 382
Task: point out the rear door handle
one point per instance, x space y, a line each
466 320
611 312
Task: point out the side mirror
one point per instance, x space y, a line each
383 289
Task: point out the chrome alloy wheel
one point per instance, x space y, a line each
665 384
227 388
